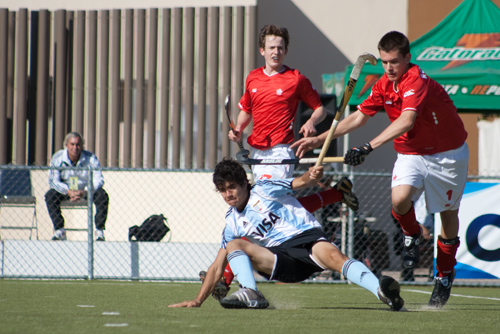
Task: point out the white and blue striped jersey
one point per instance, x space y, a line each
270 217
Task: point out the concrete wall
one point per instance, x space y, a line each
195 211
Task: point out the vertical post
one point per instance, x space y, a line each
139 88
92 81
104 93
213 84
4 29
165 89
22 84
42 93
134 260
80 73
176 87
128 91
202 91
60 77
151 96
115 87
189 90
90 223
227 57
239 77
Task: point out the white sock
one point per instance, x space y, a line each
242 268
359 274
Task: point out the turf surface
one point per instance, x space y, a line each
142 307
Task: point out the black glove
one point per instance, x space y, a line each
356 156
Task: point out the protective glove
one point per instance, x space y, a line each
356 156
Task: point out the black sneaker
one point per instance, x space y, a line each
245 298
348 197
220 290
411 254
388 292
442 290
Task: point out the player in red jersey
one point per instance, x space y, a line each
271 97
429 138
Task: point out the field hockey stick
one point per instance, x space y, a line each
360 62
248 161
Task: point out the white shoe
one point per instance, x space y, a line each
59 234
99 235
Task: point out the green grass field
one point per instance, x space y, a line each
142 307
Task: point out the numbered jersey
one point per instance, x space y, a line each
437 128
270 217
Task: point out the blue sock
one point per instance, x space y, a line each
359 274
242 268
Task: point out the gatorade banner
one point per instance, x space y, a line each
462 53
479 253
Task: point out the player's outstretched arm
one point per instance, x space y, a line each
309 127
308 179
348 124
214 273
242 122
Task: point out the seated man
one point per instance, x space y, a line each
284 242
72 185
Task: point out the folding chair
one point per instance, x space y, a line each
80 204
16 191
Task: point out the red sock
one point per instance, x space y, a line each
316 201
408 222
228 275
447 251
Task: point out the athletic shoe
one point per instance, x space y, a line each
388 292
245 298
442 290
99 235
220 290
411 254
348 197
59 234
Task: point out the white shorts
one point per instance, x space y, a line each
282 151
441 175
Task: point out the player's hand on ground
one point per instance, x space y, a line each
304 145
316 173
188 303
356 156
308 129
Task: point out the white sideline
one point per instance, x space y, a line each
454 295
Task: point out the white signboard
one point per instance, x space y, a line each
479 253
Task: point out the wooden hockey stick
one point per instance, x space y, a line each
360 62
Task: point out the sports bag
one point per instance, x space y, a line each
152 229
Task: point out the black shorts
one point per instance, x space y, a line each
293 258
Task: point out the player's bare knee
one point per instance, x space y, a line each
236 244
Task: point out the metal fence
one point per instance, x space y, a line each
195 214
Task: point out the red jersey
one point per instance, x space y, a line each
272 100
437 127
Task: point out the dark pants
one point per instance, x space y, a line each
53 198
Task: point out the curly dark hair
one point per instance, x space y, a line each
229 170
394 40
273 30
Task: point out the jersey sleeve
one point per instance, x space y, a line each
307 93
227 236
245 103
375 102
414 94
